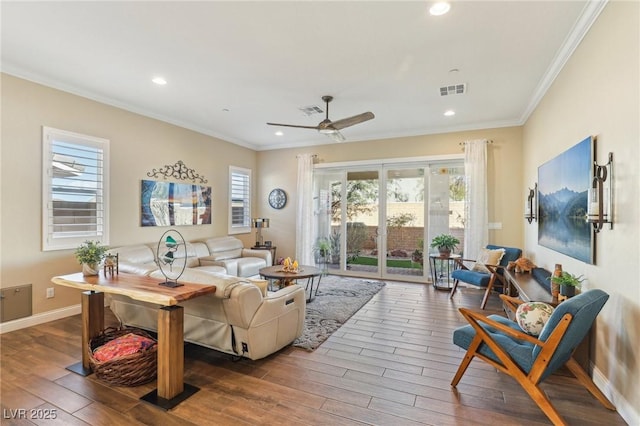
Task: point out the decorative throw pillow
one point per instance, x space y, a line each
487 257
532 316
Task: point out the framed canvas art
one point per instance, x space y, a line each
563 185
172 204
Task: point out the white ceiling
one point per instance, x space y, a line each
233 66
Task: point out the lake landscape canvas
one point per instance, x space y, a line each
563 186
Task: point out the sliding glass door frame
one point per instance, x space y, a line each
379 239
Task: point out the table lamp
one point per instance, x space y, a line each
259 223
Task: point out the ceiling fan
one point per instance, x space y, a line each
332 128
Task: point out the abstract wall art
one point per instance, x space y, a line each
173 204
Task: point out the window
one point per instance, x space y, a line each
239 200
74 189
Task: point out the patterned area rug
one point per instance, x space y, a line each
337 300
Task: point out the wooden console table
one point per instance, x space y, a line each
171 389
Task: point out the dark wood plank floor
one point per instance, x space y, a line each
391 364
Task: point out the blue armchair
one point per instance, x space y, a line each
494 277
529 360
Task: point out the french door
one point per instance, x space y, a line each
378 219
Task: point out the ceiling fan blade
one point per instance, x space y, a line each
336 136
293 125
351 121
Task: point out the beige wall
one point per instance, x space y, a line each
138 145
278 168
597 93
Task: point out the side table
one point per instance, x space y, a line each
445 263
272 249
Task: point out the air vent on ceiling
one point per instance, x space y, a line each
454 89
311 110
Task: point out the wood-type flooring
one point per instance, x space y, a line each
390 364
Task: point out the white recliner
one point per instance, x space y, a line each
237 313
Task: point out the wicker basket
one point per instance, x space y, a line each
129 370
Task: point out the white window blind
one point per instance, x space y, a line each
239 200
75 189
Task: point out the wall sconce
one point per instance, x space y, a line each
600 196
531 206
259 223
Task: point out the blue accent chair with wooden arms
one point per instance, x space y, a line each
528 359
494 277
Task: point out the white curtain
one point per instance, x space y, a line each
476 231
304 213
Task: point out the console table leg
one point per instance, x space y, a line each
171 387
92 324
170 351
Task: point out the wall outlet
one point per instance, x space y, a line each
51 293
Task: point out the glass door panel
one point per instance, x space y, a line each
405 222
327 248
361 218
378 221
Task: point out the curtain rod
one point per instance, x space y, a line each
487 141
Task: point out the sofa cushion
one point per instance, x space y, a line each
226 254
220 270
224 244
137 268
250 266
134 254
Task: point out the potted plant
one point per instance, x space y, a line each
417 255
322 250
89 255
445 243
568 283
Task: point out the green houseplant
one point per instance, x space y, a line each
322 250
445 243
568 283
417 255
89 255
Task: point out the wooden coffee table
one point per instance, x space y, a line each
310 273
171 388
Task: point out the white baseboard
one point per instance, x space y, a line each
37 319
627 411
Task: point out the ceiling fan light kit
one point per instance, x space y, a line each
332 128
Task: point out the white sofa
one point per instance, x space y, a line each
240 312
237 313
219 255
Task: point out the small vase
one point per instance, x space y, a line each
89 269
567 290
555 288
444 252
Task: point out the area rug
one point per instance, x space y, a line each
337 300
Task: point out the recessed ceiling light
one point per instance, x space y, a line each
439 8
449 113
279 133
159 81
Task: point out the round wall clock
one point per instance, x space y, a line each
277 198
